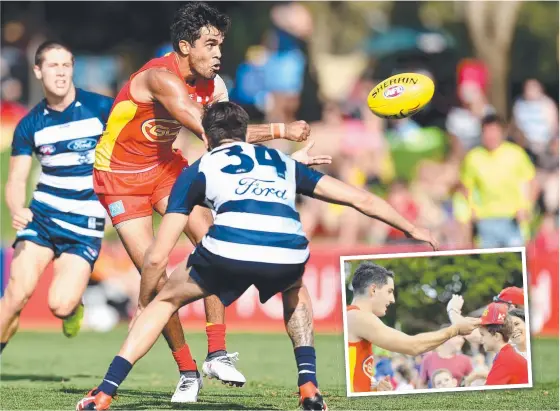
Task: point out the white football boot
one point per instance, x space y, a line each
223 369
187 389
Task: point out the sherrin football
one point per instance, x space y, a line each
401 95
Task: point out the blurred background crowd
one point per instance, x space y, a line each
317 61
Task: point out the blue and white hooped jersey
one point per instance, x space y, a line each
252 190
64 143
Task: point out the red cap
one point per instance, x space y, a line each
512 295
495 313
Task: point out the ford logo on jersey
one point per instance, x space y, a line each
82 144
254 186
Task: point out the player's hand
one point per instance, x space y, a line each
385 384
455 304
423 234
468 325
297 131
21 218
304 157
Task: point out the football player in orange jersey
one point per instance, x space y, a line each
136 165
374 288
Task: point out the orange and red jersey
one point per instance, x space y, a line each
139 136
509 367
361 363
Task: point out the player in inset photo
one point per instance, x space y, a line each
397 321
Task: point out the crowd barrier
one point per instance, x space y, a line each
321 277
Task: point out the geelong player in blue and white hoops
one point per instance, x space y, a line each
257 239
64 222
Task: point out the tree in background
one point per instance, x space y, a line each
516 39
491 26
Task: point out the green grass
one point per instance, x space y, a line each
48 371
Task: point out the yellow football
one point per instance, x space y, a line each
401 95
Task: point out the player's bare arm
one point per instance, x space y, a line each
166 88
337 192
16 185
296 131
157 255
369 327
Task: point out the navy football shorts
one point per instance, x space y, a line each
229 279
45 232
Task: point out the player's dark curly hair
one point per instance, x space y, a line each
367 274
225 120
505 329
192 17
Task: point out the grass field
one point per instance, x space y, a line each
47 371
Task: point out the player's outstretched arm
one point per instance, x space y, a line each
367 326
296 131
168 89
337 192
16 185
157 255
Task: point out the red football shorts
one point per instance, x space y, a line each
133 195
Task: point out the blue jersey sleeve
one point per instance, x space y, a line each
22 143
306 179
188 191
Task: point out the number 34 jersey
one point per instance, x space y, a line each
252 191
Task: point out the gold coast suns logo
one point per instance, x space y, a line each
161 130
368 366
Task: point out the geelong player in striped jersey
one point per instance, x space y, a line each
64 222
256 239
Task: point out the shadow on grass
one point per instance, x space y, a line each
32 377
141 400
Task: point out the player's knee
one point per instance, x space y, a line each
62 311
61 308
17 295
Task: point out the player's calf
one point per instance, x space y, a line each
298 318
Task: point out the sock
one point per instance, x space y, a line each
118 370
216 338
2 346
305 359
184 359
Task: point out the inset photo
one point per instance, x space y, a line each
436 322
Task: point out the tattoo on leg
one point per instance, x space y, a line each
299 324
